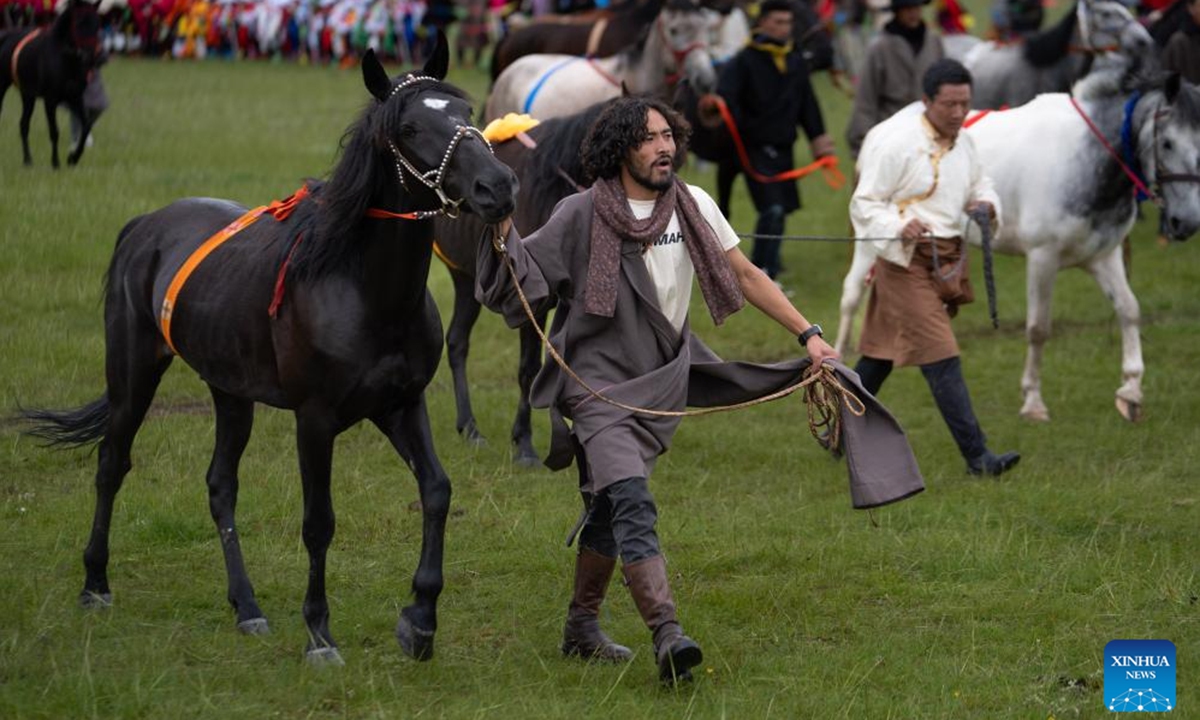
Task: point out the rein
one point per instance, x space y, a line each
679 55
1133 176
823 392
828 165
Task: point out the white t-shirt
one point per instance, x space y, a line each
668 261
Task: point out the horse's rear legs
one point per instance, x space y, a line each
27 102
527 370
408 431
133 375
1041 267
235 419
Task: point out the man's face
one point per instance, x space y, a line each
910 17
651 164
1193 9
777 25
948 109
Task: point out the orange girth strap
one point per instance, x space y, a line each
280 209
16 81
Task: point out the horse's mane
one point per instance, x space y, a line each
559 140
330 219
1120 83
1047 47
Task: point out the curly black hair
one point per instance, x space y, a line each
621 127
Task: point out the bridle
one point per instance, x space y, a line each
679 55
433 178
1160 177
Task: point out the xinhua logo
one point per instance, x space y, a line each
1139 675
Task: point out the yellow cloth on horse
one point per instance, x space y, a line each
507 127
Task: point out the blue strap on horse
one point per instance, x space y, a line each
1127 153
525 107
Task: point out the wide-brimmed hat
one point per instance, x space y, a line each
898 4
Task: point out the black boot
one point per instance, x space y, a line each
949 390
989 463
675 653
582 635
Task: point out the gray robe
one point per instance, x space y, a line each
890 79
638 358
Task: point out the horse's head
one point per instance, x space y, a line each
1176 163
78 30
684 34
442 160
1101 22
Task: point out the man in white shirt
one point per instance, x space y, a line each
919 180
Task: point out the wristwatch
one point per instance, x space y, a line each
808 334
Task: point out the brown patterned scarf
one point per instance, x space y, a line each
613 223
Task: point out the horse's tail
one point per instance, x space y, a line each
69 428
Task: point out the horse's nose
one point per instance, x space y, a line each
1180 228
495 193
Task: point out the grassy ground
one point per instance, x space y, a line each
977 599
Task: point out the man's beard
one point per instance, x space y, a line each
647 181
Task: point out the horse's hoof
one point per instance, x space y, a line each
1131 411
89 600
528 461
1036 415
324 657
471 434
415 642
254 626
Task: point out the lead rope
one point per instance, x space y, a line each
823 393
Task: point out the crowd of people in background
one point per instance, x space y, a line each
338 31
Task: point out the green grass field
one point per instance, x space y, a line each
977 599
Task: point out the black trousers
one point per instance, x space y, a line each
949 389
620 519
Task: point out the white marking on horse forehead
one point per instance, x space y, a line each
435 103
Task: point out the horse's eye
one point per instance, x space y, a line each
407 131
1167 145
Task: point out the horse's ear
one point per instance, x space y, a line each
375 77
1172 86
439 62
625 90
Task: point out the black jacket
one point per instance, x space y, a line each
768 105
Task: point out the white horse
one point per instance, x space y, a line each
1012 74
1066 202
545 86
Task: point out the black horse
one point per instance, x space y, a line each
52 63
323 311
547 174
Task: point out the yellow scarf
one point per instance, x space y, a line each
777 52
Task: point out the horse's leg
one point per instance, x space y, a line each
527 370
408 430
1109 272
854 287
1041 267
51 108
458 344
235 418
133 370
727 172
314 442
27 102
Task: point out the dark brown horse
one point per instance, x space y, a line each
354 335
593 34
547 173
52 63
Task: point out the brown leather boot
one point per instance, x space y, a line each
674 652
582 635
